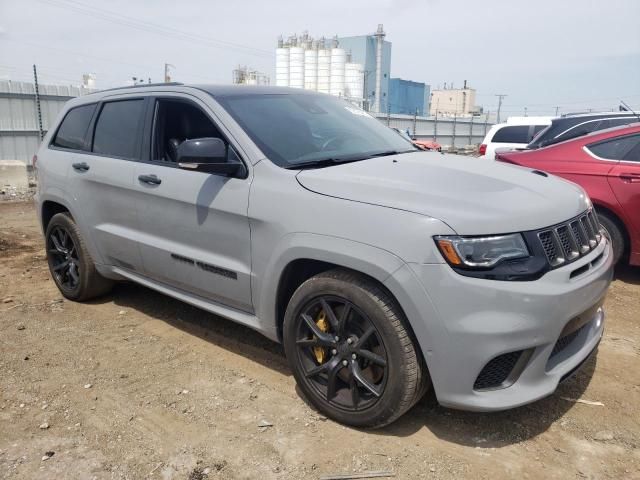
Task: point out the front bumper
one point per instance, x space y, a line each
463 323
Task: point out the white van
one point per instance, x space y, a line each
517 132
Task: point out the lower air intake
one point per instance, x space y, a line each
496 373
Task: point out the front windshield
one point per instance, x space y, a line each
297 129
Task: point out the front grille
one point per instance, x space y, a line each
564 342
570 240
497 371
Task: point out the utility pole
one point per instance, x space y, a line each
415 120
557 109
500 97
35 81
388 114
470 130
167 78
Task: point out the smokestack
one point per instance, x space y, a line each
379 40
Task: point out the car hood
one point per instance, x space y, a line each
472 196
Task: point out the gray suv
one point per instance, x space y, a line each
385 270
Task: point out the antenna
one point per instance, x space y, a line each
625 105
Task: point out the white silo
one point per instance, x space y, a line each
338 62
324 69
282 67
311 68
354 81
296 67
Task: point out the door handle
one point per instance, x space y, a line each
80 167
630 177
149 179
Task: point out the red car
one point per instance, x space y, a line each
428 145
607 165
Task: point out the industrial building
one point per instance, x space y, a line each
373 52
356 68
244 75
408 97
453 101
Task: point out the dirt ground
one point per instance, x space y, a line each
138 385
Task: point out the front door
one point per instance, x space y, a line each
195 227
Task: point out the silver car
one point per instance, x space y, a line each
385 270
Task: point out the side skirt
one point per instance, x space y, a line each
232 314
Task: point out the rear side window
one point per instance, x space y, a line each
617 149
73 128
514 134
118 129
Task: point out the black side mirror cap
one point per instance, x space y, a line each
202 150
208 154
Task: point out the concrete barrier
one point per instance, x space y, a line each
13 173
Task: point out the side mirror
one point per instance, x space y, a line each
207 155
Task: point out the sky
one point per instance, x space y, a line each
572 55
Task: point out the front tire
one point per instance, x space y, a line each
70 263
350 349
613 231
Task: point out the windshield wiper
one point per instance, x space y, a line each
392 152
324 162
328 162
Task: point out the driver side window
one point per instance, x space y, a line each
176 121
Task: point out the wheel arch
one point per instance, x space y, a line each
300 270
48 210
307 255
607 211
298 256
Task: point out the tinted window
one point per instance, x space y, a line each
74 128
564 128
296 128
634 154
515 134
118 128
616 149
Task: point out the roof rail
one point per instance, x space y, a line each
163 84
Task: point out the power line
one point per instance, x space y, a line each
151 27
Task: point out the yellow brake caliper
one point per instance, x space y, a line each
319 352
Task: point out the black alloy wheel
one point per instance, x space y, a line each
351 349
64 259
70 262
342 353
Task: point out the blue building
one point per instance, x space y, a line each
408 97
363 50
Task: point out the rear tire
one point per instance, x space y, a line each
387 359
614 232
70 263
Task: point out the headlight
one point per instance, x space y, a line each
481 252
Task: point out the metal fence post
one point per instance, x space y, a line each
453 136
435 128
35 81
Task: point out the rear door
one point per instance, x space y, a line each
102 180
625 176
196 230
